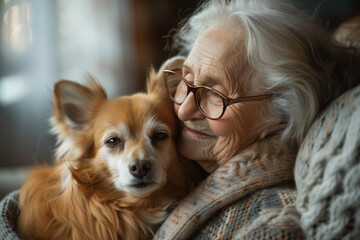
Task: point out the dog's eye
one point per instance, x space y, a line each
114 141
159 136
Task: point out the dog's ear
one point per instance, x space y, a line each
75 102
156 80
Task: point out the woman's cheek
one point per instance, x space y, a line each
222 127
229 123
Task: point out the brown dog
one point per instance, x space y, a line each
117 172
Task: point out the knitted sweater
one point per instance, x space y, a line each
242 199
273 205
328 172
10 209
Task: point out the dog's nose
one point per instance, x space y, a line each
139 168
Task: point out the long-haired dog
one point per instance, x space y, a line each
117 172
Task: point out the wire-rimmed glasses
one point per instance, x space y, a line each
211 103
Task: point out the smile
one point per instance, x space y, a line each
196 133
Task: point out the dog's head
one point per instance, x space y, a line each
126 144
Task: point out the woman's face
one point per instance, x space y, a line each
214 61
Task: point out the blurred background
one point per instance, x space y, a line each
42 41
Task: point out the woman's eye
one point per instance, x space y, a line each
159 136
113 142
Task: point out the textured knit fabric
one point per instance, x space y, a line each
328 172
9 207
231 204
231 221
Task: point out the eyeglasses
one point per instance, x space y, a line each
210 102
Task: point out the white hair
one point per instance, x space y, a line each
292 55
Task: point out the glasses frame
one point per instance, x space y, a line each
226 100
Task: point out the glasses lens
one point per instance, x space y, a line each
210 102
177 88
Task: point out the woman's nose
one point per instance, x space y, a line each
188 109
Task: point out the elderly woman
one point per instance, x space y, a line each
253 78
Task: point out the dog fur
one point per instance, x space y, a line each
89 192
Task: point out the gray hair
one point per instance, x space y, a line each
292 55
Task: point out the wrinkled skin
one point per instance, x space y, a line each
214 62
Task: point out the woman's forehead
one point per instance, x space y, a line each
216 43
215 54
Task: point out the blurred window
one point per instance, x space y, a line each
42 41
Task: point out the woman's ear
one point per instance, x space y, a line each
157 79
74 103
